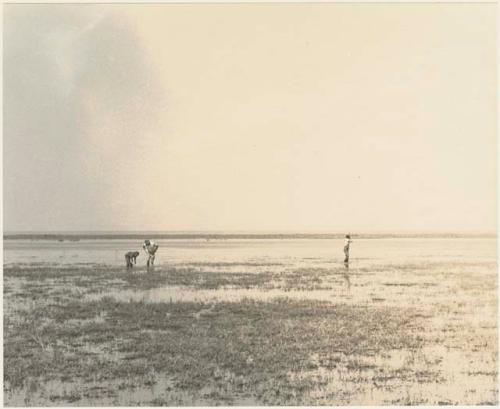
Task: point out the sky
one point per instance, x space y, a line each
275 117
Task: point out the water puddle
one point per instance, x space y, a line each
187 294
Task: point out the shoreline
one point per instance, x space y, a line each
238 236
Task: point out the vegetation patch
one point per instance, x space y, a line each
230 348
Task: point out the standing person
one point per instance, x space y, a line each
150 248
347 243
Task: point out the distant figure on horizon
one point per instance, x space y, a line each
130 257
347 243
150 248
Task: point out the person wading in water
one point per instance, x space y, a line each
150 248
347 243
131 257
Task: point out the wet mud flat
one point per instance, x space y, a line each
308 333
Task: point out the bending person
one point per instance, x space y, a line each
131 257
150 248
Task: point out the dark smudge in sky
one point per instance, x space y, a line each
70 72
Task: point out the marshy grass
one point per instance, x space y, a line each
64 348
232 349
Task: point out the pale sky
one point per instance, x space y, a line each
331 117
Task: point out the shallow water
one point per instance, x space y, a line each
422 272
308 251
160 391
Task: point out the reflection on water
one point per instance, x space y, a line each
346 275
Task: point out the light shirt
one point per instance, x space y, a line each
151 248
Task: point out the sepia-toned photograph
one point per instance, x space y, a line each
249 204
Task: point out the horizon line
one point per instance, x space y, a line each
323 231
179 234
